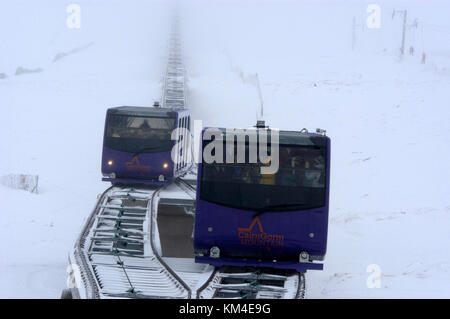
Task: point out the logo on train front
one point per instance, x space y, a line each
256 236
135 166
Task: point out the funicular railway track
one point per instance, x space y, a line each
253 283
118 252
120 249
116 248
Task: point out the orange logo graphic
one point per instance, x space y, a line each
135 166
257 237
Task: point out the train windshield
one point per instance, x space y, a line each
138 134
299 183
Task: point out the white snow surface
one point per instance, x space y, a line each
388 119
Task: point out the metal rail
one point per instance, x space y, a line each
174 80
81 258
155 251
239 283
115 254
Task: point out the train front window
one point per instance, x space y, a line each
298 184
139 134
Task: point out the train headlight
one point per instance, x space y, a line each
110 162
165 165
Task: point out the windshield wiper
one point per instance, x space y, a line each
274 208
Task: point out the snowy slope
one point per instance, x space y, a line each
388 120
54 122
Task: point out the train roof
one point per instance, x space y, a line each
285 137
145 111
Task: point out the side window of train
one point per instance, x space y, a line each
179 146
183 142
188 140
186 152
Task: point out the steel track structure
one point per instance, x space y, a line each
119 255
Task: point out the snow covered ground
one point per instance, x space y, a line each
388 121
54 121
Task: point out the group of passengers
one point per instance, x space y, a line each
301 169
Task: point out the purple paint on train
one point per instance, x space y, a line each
279 235
142 167
137 145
